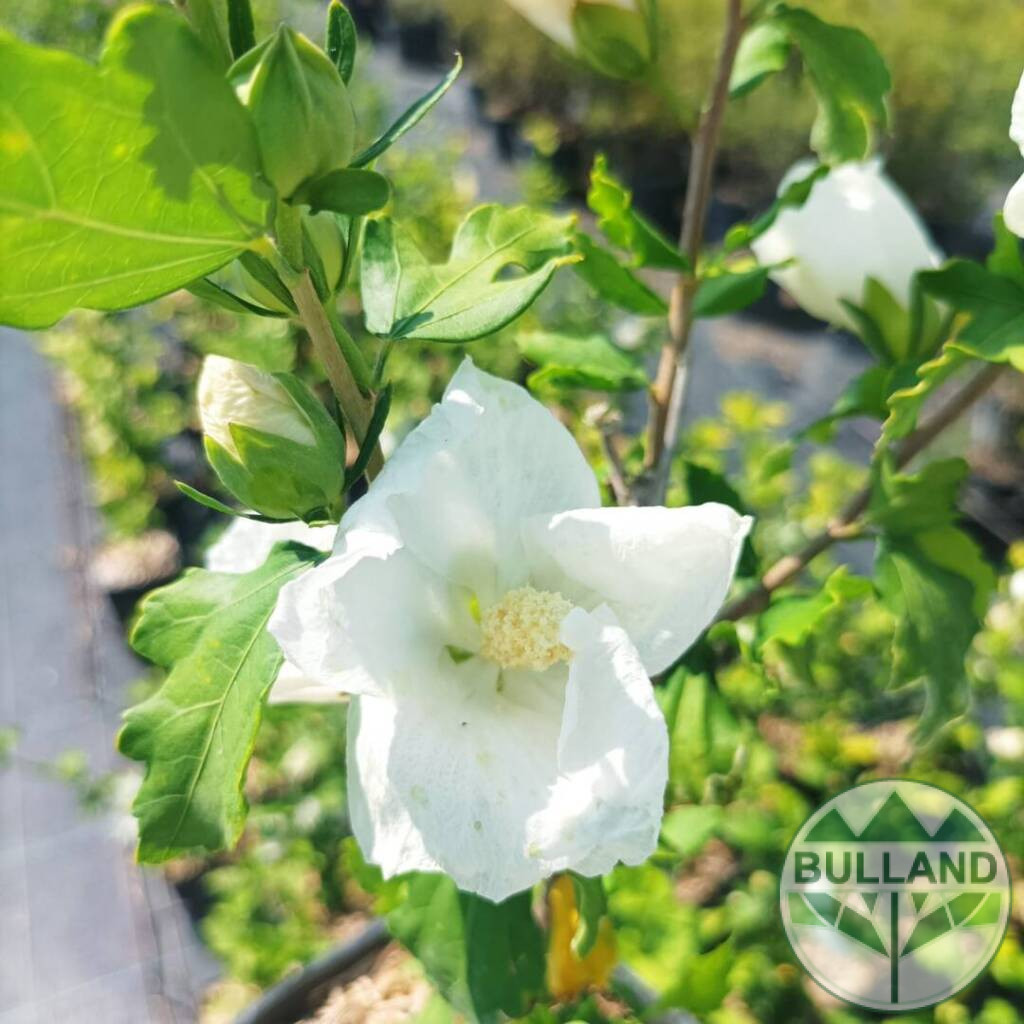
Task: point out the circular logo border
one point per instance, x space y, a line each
901 1007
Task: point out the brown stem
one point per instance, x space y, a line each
665 394
787 568
356 407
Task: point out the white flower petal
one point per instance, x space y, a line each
612 756
457 488
663 572
854 225
245 544
373 620
445 780
1013 210
552 17
293 686
1017 116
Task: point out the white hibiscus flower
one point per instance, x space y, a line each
243 547
498 630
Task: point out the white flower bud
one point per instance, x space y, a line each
1013 210
855 224
235 392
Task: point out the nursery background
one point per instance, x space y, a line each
769 716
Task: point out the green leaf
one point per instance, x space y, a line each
905 403
405 296
580 361
1005 258
614 40
347 190
729 291
614 282
687 829
212 292
792 620
624 227
341 39
936 584
114 191
592 905
410 118
196 733
904 504
865 395
850 80
763 51
995 331
485 958
241 30
704 982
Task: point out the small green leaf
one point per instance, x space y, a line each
206 289
904 504
624 227
348 190
614 282
410 118
405 296
241 30
263 273
792 620
995 303
906 401
341 39
206 501
592 905
588 361
865 395
614 40
729 291
114 191
485 958
763 51
850 79
196 733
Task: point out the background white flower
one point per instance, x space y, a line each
1013 210
243 547
499 628
855 224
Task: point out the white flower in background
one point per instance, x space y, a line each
243 547
1013 210
1005 742
498 629
614 36
233 392
855 224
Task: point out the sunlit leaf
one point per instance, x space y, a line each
114 191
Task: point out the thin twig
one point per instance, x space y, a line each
356 407
616 469
667 392
790 566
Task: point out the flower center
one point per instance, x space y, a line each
521 630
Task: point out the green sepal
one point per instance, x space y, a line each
341 39
267 277
409 118
241 29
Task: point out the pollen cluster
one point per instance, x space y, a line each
521 630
